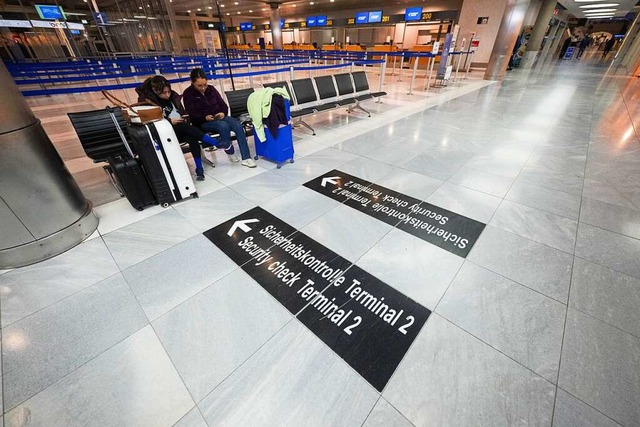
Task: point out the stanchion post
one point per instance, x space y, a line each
458 65
427 76
250 76
291 75
466 76
383 71
433 61
352 66
401 66
310 68
413 75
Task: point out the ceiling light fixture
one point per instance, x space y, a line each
586 12
311 3
238 13
199 10
235 2
228 14
210 7
599 5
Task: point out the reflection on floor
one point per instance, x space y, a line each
149 323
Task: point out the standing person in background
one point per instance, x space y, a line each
586 41
608 46
565 46
208 110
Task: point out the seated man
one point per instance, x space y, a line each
208 110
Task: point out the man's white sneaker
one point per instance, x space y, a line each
249 163
233 158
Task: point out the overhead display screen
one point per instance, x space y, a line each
375 17
362 17
311 21
413 14
46 11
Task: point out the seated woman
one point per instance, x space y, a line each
207 109
157 90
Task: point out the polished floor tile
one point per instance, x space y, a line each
571 412
601 366
213 333
192 419
517 321
385 415
410 183
300 206
611 217
610 249
543 227
463 201
133 383
44 347
607 295
423 276
143 239
347 232
293 379
572 184
162 282
537 266
25 290
439 163
264 187
209 211
545 199
450 378
484 182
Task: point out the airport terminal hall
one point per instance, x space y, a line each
274 213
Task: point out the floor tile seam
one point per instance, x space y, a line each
626 106
175 369
237 368
575 243
599 320
497 350
587 404
546 210
4 327
526 287
72 371
371 411
132 223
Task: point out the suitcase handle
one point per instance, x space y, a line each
119 129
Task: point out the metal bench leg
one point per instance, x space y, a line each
208 157
362 108
305 124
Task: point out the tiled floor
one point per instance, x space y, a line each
150 324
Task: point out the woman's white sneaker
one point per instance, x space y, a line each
233 158
249 163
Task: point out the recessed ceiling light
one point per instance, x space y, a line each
585 1
210 7
586 12
199 10
599 5
311 3
294 5
188 11
235 2
238 13
264 8
251 11
601 15
139 7
332 1
228 14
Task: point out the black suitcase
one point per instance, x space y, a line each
145 148
133 182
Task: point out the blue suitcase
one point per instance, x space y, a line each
280 149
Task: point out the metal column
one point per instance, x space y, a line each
42 210
506 39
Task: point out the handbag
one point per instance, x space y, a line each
139 113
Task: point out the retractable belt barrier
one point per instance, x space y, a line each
216 66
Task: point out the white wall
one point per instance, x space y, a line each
471 11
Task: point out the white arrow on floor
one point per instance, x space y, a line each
331 180
242 225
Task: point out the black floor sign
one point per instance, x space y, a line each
365 321
443 228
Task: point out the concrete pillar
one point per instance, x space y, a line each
276 31
42 210
508 32
539 29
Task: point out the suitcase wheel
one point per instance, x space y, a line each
165 205
255 157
